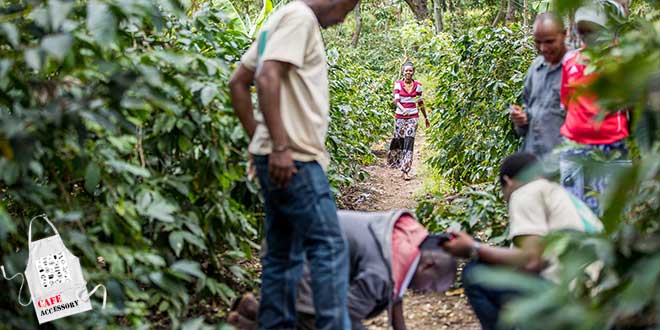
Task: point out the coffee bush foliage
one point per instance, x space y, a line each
480 73
611 280
115 121
477 74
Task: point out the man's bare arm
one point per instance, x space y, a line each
280 163
241 100
528 254
398 320
269 81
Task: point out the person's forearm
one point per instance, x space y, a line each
268 89
423 110
242 103
504 256
398 321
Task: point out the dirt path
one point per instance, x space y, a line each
385 190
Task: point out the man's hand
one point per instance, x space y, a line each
281 167
460 245
251 171
518 115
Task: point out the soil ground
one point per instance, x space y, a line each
385 189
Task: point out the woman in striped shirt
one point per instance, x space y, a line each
408 100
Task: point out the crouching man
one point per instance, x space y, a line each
536 208
385 260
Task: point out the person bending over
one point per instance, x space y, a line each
385 260
536 208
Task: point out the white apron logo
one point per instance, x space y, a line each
55 279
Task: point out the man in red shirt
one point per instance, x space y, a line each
591 133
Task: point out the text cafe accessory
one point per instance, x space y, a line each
55 279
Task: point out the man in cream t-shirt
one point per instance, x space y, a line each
287 143
537 207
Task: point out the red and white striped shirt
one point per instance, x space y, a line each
407 101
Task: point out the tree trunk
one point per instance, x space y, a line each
419 9
358 25
510 11
573 38
450 5
443 3
500 13
526 13
437 15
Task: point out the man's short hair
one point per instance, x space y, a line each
552 17
514 165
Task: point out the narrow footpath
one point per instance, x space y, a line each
385 189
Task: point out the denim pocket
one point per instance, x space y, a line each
298 194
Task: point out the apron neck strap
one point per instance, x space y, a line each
2 268
43 216
82 296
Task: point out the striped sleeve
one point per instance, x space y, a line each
418 91
397 91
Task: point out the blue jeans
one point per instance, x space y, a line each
486 302
586 169
301 220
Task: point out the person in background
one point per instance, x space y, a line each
537 207
287 142
539 119
385 260
408 102
590 132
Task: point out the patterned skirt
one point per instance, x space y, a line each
401 148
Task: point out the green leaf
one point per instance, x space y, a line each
188 267
193 324
157 208
82 242
57 45
125 143
121 166
34 58
11 32
101 23
36 168
68 216
176 242
233 14
40 16
194 240
5 66
508 279
58 11
178 8
642 287
92 177
7 226
265 10
9 171
152 259
163 306
621 188
208 94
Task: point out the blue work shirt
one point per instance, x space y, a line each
544 112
